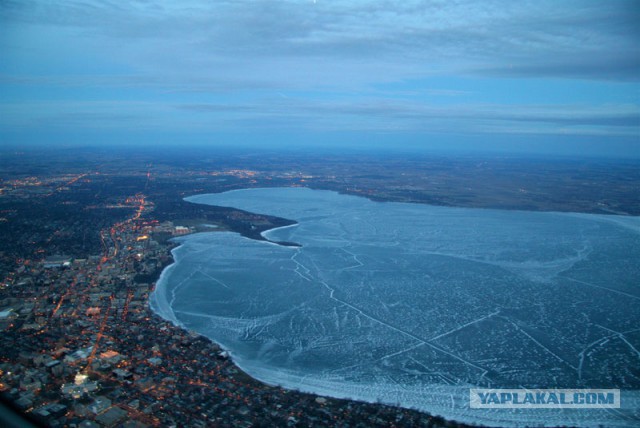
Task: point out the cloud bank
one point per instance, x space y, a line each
452 67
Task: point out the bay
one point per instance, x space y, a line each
413 304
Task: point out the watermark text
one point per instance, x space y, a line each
544 398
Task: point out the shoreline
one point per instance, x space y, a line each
265 232
90 320
312 390
316 399
596 211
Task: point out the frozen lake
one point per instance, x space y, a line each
413 304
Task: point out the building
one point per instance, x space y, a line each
57 262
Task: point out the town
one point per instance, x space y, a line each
85 236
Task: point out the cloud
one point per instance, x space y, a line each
374 115
329 65
299 115
279 37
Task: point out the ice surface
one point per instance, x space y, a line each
413 304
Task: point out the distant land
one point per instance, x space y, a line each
86 232
103 178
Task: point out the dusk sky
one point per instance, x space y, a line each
557 77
